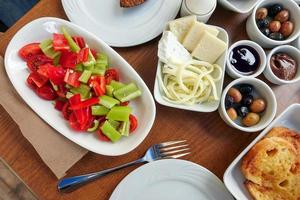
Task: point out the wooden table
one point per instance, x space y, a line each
214 144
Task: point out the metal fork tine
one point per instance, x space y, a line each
162 149
172 152
178 155
170 143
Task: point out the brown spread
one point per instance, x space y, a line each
283 66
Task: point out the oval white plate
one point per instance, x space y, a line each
121 27
233 177
171 179
204 107
16 69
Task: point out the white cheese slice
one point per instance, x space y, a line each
209 48
194 34
170 49
181 26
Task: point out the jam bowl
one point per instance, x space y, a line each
283 65
280 24
245 59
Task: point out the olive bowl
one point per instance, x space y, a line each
264 92
291 51
257 36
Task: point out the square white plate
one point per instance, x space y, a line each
204 107
17 72
233 177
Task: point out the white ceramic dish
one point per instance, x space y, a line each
239 6
264 91
290 50
121 27
205 107
234 73
233 177
16 69
257 36
171 180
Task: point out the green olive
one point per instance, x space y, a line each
251 119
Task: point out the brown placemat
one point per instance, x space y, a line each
58 153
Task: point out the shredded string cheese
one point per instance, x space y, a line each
191 82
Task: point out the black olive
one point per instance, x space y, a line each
246 89
274 9
228 102
265 31
247 100
262 23
243 111
276 36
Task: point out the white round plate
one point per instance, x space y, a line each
121 27
171 179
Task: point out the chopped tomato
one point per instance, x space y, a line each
62 90
59 42
83 55
72 78
79 41
35 61
111 74
68 59
59 104
73 122
133 123
30 50
46 92
66 111
124 103
43 70
56 74
94 52
102 137
37 79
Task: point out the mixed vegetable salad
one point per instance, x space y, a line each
78 79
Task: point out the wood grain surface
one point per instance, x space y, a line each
214 144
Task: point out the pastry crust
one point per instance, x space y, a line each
130 3
271 167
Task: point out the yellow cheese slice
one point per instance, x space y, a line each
180 27
194 34
209 48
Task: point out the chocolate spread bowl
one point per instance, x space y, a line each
279 68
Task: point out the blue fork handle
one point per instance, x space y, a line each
71 183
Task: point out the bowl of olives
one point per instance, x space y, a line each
274 22
248 104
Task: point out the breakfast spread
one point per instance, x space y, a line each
284 66
271 167
130 3
85 90
243 105
273 22
245 59
189 52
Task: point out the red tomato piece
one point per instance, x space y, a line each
46 92
111 74
59 42
37 79
102 137
35 61
124 103
66 111
62 90
43 70
94 52
59 104
56 74
133 123
73 122
68 59
30 50
83 55
72 78
79 41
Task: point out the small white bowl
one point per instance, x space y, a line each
256 35
291 51
239 6
264 92
233 177
234 73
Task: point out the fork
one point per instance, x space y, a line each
155 152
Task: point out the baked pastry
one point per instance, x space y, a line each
271 167
130 3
